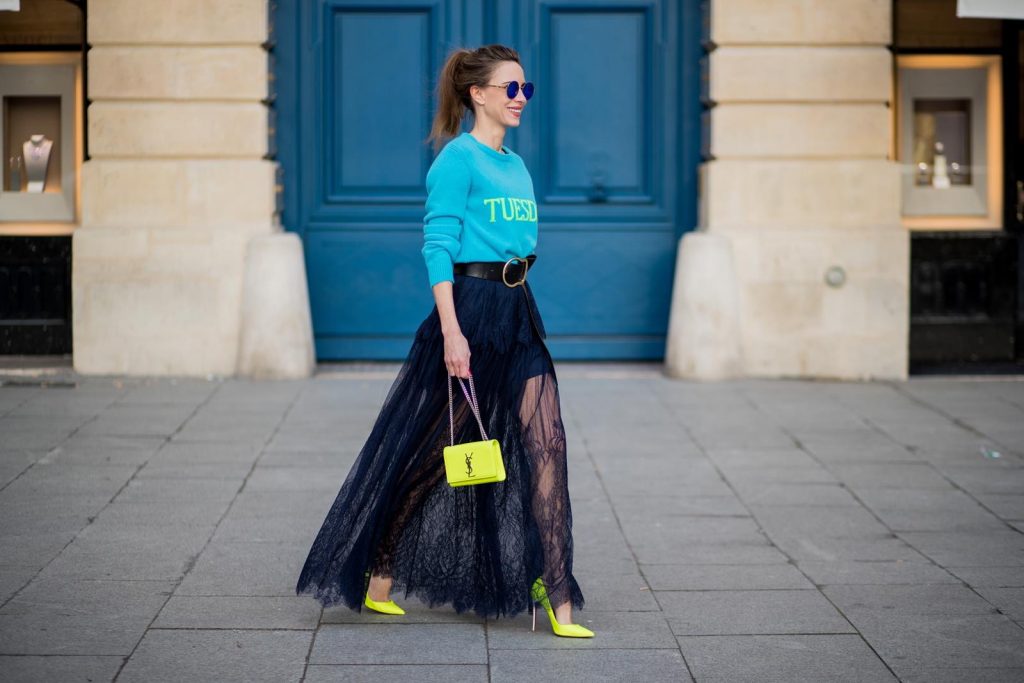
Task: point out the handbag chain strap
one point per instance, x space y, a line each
472 404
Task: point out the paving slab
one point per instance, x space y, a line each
51 480
683 531
13 578
296 479
215 655
153 423
739 459
928 510
709 552
396 673
163 468
987 478
239 612
833 522
246 568
708 483
880 547
866 447
600 666
999 577
156 515
93 451
890 475
58 616
63 668
965 548
326 459
650 506
778 658
33 549
311 441
186 453
750 612
753 477
1010 601
797 494
178 490
615 593
976 674
297 526
909 642
400 644
40 425
249 503
683 577
131 556
14 462
883 572
926 599
1007 506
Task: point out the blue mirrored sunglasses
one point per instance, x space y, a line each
512 89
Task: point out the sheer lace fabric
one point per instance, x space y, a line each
478 548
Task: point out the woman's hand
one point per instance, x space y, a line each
456 355
456 348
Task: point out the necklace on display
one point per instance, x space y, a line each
37 148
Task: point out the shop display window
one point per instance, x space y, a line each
949 141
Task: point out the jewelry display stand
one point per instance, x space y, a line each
37 157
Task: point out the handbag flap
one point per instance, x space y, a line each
473 460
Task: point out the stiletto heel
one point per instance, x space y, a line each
539 595
533 610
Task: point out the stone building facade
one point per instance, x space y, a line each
801 182
176 185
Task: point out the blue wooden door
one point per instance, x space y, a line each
610 139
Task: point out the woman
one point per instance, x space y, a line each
492 548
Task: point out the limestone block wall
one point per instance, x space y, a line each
801 182
175 187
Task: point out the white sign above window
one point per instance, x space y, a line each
991 9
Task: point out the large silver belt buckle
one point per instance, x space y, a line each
504 270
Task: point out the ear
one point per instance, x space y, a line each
476 94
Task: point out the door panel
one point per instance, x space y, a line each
371 153
602 142
599 130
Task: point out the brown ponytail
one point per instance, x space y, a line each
462 69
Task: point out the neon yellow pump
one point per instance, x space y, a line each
540 595
388 607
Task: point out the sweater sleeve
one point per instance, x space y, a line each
448 182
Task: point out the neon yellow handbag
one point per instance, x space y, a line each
473 462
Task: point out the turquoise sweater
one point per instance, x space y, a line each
480 207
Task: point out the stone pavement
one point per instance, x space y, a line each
152 530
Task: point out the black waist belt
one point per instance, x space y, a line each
511 272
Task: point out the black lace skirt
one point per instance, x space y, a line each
477 548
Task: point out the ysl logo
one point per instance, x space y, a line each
469 464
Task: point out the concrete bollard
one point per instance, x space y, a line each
276 338
704 331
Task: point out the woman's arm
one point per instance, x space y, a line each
448 183
456 348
